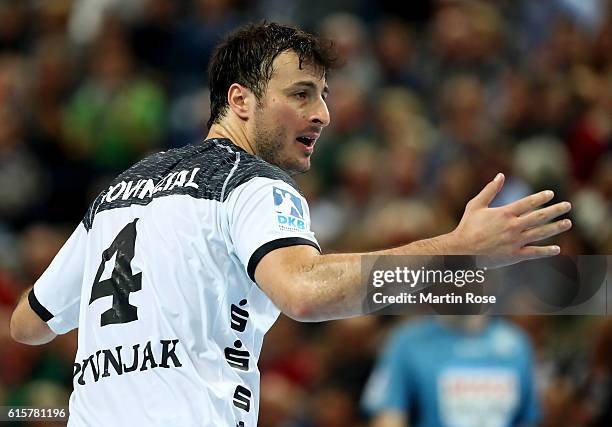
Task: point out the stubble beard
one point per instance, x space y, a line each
269 143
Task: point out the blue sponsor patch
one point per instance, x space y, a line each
289 210
287 204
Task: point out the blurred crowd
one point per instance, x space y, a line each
434 99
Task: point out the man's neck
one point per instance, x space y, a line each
233 133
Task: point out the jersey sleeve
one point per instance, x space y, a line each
266 214
390 386
56 295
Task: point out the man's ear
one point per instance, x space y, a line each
241 100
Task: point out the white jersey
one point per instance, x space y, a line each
159 279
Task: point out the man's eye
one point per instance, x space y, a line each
301 95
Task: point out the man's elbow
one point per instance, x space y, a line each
301 311
294 303
24 333
307 306
18 333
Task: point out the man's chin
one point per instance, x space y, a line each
297 167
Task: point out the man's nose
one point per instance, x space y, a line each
320 115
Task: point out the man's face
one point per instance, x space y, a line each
291 115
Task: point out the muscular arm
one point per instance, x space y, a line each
308 286
26 327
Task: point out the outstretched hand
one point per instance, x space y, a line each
509 231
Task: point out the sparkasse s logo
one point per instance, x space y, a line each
289 210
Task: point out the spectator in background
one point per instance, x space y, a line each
466 38
15 26
153 36
454 371
334 407
196 37
50 83
116 116
397 52
350 39
601 376
22 184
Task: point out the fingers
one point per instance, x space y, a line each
488 193
545 231
529 203
534 252
544 215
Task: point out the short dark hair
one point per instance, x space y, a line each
246 56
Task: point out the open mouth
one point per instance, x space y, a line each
308 142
